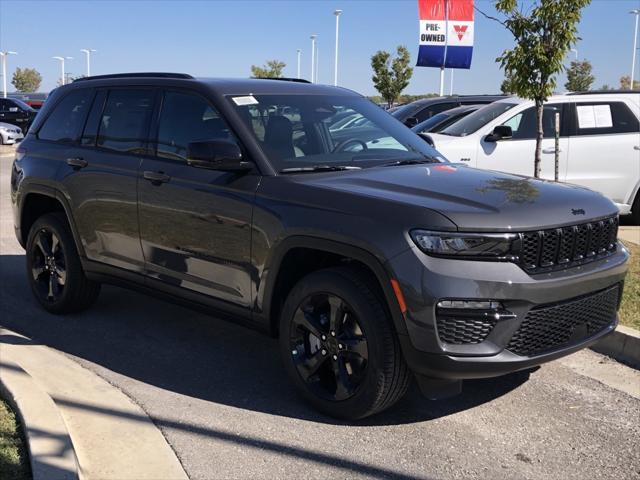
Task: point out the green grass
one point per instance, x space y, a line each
630 309
14 462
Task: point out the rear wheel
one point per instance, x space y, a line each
339 346
53 267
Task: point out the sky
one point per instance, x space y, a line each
224 38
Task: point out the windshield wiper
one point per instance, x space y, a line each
319 168
409 161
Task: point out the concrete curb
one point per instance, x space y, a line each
50 448
78 425
623 345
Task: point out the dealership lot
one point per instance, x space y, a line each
218 394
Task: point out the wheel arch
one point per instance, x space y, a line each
279 279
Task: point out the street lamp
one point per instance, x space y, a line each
4 56
313 56
62 59
635 12
337 13
88 52
575 50
299 55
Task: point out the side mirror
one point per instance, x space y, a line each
500 132
13 109
217 155
411 122
427 138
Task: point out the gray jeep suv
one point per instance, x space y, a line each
372 258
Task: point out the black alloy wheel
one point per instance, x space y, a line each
48 266
328 346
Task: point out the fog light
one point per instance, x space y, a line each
470 304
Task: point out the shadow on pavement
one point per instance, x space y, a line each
192 354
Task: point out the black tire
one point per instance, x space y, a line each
54 270
375 383
634 217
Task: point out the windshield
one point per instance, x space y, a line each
299 131
478 119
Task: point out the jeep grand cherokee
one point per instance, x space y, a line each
372 258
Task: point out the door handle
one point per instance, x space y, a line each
156 177
77 162
551 150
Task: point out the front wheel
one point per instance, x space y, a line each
339 346
53 267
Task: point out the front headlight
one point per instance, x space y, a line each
485 246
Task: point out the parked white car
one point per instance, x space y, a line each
10 134
599 142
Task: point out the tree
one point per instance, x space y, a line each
391 76
544 31
26 80
625 83
606 87
579 78
272 69
506 86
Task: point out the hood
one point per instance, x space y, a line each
478 200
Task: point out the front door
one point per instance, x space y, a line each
195 223
516 155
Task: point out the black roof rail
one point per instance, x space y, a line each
136 75
284 79
601 92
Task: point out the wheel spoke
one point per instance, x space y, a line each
309 366
61 275
55 244
52 287
36 271
336 314
356 346
343 385
308 322
43 244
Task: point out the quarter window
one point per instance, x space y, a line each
67 119
125 120
187 118
605 118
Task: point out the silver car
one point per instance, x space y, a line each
10 134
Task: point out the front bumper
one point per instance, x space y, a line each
425 280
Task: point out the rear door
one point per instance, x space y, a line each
516 155
101 176
195 223
605 148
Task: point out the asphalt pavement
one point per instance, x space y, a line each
220 397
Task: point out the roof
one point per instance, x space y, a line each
222 86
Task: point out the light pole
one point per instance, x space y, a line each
62 59
635 12
313 57
299 55
575 50
337 13
4 56
317 61
88 52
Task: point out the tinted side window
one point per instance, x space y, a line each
524 125
3 105
125 120
605 118
187 118
431 110
67 119
90 133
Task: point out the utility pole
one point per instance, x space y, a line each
299 54
88 52
635 12
4 56
337 13
313 57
